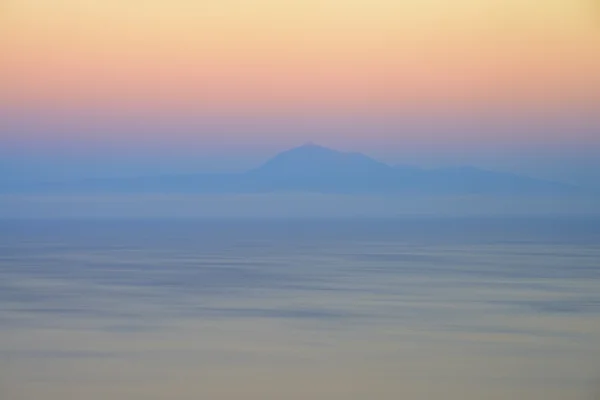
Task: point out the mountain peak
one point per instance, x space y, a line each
314 159
311 147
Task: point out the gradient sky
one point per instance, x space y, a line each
421 80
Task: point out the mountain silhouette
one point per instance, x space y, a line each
314 168
314 159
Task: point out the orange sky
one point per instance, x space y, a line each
268 55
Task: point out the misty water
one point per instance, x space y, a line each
422 308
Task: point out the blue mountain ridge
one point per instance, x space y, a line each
314 168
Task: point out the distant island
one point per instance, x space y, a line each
316 169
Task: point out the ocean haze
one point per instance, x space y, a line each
289 206
416 308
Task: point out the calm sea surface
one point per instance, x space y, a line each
300 310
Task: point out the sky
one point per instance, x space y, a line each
109 87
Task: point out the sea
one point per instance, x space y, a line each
300 309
